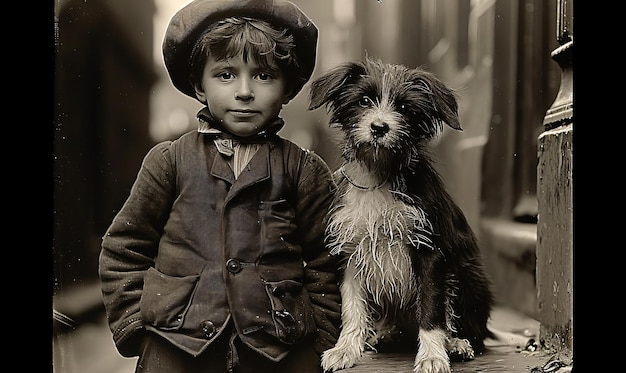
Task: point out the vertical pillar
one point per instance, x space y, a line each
555 246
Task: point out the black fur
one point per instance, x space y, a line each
454 268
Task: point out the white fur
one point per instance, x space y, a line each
461 347
373 227
356 325
432 356
383 113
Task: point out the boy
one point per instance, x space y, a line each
216 262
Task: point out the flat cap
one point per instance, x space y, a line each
189 23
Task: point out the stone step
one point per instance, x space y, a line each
80 303
509 250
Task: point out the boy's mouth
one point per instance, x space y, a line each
243 113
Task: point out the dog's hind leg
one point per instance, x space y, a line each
459 349
356 324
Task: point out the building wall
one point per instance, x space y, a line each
103 78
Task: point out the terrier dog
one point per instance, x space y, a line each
411 264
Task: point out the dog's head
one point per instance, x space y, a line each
387 113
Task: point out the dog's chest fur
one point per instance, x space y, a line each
378 232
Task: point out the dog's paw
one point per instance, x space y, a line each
432 356
338 358
459 349
432 365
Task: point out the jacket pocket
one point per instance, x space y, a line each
165 299
292 312
279 209
278 227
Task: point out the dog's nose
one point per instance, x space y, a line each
379 128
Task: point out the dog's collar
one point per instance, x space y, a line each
343 172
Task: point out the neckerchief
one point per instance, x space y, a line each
238 151
225 141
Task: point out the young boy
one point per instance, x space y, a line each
216 262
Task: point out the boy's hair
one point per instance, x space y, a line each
253 39
293 51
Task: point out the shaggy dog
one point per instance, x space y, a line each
412 267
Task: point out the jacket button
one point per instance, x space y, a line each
233 265
208 328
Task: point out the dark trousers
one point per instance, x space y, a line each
160 356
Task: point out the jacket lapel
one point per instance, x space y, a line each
221 169
257 170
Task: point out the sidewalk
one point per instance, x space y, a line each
506 355
83 344
89 349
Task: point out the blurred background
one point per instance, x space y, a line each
113 101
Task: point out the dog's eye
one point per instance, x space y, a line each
366 102
404 107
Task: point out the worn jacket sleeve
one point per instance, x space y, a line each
316 188
130 245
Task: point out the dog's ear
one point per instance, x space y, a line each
325 89
442 98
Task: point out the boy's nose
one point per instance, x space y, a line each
244 92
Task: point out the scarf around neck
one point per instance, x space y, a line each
238 150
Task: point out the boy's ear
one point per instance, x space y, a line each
199 92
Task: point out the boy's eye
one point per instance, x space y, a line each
225 75
366 102
264 76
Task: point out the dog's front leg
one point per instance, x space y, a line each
432 356
356 324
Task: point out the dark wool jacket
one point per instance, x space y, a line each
192 249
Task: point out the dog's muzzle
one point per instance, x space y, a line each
379 129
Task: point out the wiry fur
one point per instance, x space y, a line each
412 265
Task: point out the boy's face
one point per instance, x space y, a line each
244 97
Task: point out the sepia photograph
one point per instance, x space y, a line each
313 186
